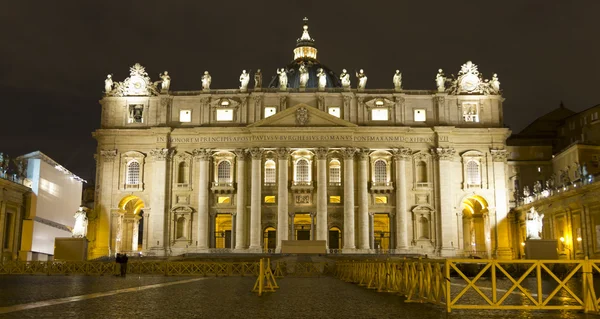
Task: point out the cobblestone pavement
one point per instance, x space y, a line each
224 297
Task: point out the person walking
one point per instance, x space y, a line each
124 259
118 262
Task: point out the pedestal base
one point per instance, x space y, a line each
541 249
68 248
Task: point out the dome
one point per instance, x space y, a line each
306 53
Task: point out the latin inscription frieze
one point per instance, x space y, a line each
292 138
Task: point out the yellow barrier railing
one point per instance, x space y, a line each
482 283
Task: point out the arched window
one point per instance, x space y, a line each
302 171
473 174
224 172
183 173
270 172
421 172
380 171
133 173
335 172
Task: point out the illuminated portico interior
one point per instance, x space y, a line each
370 171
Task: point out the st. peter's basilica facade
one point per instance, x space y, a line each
308 156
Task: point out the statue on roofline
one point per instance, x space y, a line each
362 80
440 81
166 81
283 81
108 84
206 79
303 75
257 79
397 80
345 78
244 80
322 79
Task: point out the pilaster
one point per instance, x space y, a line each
502 227
401 156
283 155
447 231
363 199
349 238
255 201
240 209
203 155
321 154
157 236
102 245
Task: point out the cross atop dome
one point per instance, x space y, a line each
305 45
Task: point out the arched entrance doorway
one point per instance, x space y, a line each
270 239
128 225
335 238
476 226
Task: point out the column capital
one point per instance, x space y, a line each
363 153
255 152
108 155
443 153
161 154
202 154
348 152
283 153
498 155
240 153
321 152
401 154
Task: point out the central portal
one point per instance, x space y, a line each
303 226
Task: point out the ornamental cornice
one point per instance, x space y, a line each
321 153
108 155
401 154
160 154
348 152
443 153
499 155
255 152
283 153
202 154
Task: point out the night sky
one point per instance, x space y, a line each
55 55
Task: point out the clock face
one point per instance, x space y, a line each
137 85
469 82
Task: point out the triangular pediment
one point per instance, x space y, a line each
302 115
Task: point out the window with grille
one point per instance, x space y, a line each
473 175
380 171
270 172
335 172
302 171
133 173
224 172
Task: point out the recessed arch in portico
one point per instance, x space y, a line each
476 226
128 225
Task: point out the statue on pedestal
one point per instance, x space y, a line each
283 81
362 80
303 75
4 162
257 80
397 80
534 224
166 81
440 81
108 84
526 191
495 83
81 223
322 79
345 78
244 80
537 187
206 79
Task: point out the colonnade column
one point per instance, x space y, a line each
349 241
240 208
402 220
321 194
446 222
363 200
157 198
502 227
283 155
203 156
255 200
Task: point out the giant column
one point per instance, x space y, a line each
503 249
402 220
447 236
157 199
255 201
321 193
283 155
349 241
203 156
363 200
240 209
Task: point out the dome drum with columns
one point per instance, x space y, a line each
367 171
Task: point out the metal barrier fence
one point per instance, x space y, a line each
167 268
482 283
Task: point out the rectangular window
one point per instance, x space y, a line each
470 112
136 113
224 200
225 115
335 199
420 115
185 116
270 110
335 111
380 199
379 114
270 199
594 116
